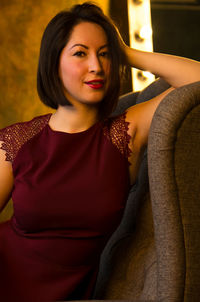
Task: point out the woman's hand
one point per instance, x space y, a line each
123 46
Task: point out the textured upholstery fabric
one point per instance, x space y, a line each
174 175
112 301
155 253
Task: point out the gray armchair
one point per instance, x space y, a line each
154 255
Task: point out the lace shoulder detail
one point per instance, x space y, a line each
116 130
16 135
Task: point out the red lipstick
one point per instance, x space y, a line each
96 84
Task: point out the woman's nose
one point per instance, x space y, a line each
95 64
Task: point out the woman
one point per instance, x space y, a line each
69 173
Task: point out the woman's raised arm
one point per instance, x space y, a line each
175 70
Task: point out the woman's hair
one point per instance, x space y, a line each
55 38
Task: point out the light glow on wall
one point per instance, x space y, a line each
140 33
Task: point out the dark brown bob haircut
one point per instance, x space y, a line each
55 38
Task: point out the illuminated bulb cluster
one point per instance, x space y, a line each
138 1
145 32
140 32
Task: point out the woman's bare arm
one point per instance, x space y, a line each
6 180
177 71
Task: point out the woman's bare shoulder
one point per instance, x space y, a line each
140 117
14 136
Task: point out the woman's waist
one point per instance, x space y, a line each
61 246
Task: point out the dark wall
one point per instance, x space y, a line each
176 29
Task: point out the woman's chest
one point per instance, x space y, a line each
62 184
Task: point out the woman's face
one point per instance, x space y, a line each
85 64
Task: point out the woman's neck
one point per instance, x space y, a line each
70 119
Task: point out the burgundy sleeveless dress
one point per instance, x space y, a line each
69 195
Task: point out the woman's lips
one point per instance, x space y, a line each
95 84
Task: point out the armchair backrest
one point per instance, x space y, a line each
174 177
154 255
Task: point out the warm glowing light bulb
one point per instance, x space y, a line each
145 75
138 1
145 32
148 75
140 32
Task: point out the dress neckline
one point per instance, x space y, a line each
71 133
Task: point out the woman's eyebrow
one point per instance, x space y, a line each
106 45
82 45
86 47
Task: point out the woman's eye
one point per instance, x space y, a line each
79 54
104 54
